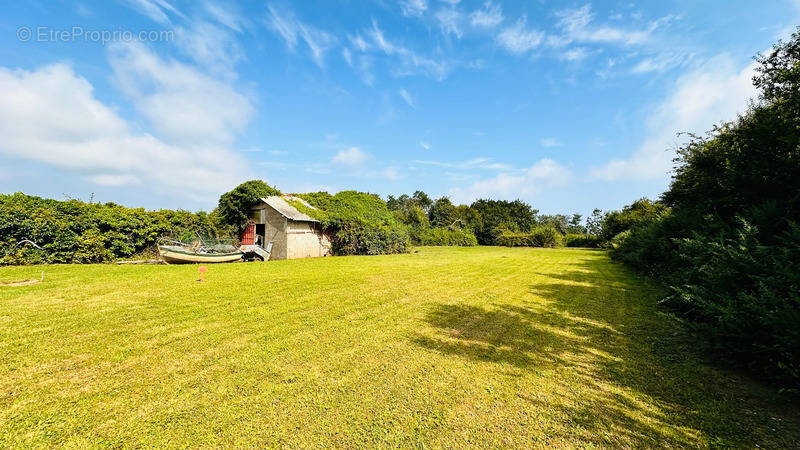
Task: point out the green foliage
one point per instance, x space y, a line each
541 236
236 206
638 212
442 236
729 248
443 213
361 223
76 232
501 213
581 240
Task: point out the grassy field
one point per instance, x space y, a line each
444 347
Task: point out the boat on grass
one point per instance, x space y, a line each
199 251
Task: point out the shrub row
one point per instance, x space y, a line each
442 236
581 240
76 232
542 236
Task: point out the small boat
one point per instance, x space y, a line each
177 252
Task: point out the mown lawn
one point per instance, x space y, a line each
444 347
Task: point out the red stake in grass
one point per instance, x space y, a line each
202 270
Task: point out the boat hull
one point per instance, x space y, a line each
176 256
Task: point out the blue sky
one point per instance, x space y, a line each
567 105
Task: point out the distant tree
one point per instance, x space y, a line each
557 221
444 214
235 206
422 200
594 223
575 224
412 214
495 213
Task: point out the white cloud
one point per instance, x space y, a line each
407 97
352 156
410 62
226 15
544 174
519 39
51 116
413 8
392 173
293 30
475 163
712 92
550 142
183 105
210 45
574 54
348 56
425 145
488 17
450 21
577 26
156 10
660 63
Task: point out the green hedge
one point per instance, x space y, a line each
581 240
442 236
76 232
541 236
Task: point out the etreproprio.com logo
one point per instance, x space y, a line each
100 36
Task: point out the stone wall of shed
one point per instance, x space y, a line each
305 240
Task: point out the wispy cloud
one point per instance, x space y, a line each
157 10
425 145
450 21
550 142
475 163
413 8
407 97
577 26
489 16
410 62
292 30
519 39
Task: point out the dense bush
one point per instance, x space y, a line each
541 236
361 223
581 240
236 206
501 213
356 238
76 232
729 247
442 236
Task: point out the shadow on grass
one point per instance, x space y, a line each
642 379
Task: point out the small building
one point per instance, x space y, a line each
284 231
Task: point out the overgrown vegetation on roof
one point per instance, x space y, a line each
360 223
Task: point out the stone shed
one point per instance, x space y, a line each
292 233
